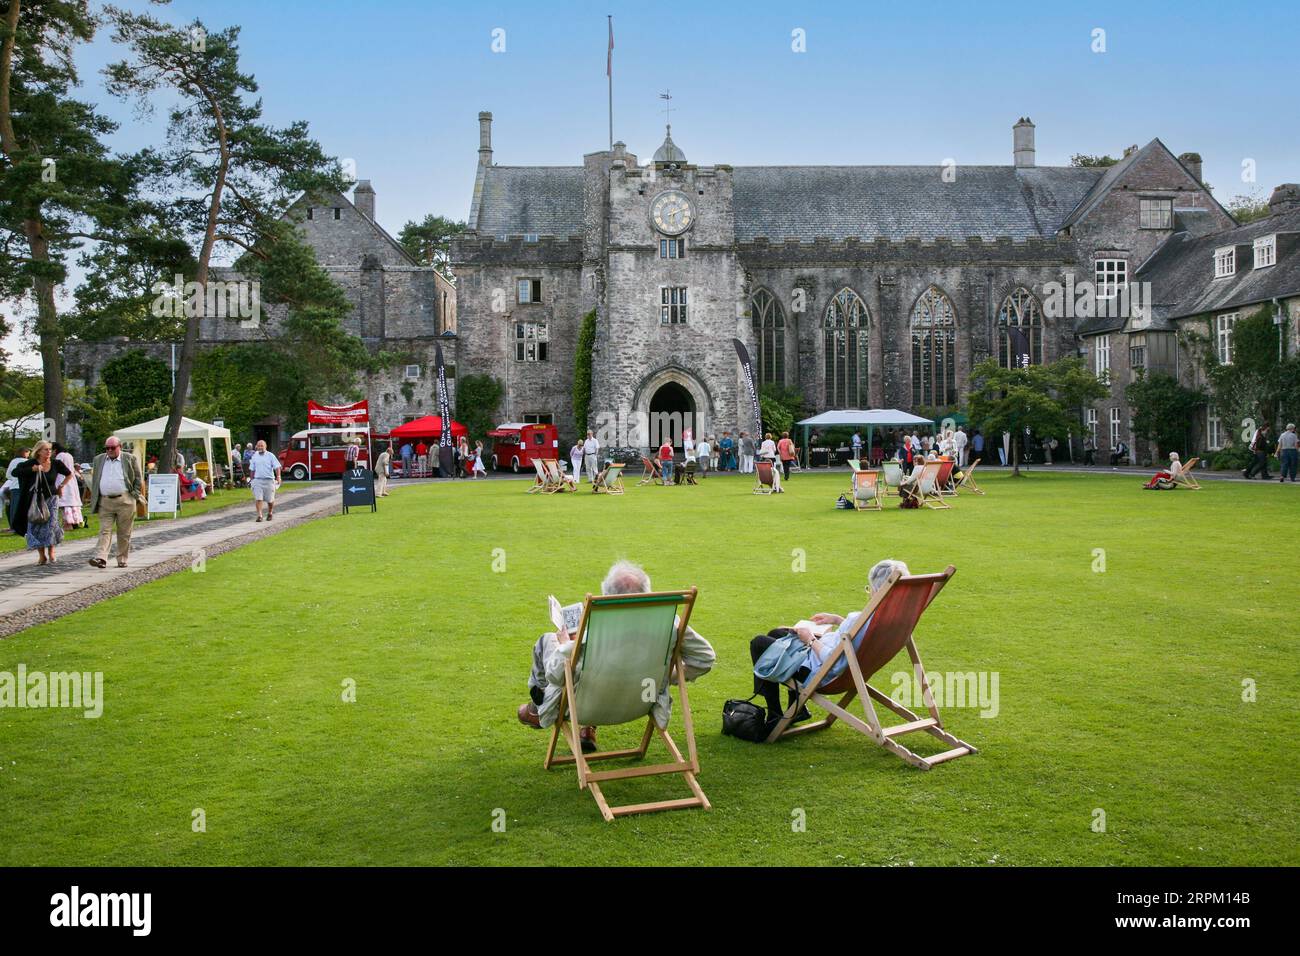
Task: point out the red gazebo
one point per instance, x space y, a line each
430 426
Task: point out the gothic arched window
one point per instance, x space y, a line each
847 345
934 351
769 332
1020 311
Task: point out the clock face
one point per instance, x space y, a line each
672 212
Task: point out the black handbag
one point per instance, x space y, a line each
745 720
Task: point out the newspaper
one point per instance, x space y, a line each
567 617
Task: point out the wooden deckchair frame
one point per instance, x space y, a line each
934 497
1185 478
861 689
591 780
875 479
761 487
892 489
968 479
652 473
946 467
543 479
556 479
603 485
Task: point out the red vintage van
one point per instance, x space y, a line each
328 453
516 444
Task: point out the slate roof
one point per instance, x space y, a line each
1181 271
519 200
810 202
905 202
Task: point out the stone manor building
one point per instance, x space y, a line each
860 286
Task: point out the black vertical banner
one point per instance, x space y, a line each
445 463
747 367
1019 347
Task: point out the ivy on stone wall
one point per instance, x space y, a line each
582 372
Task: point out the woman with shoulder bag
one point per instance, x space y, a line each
37 515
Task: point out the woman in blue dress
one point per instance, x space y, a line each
38 479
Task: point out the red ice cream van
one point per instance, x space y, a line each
328 453
515 445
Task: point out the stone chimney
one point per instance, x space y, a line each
1129 150
1022 139
363 197
485 139
1192 163
1285 198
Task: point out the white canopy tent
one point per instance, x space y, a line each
140 435
873 418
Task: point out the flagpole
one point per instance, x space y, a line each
609 72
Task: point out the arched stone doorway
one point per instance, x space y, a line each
672 412
669 402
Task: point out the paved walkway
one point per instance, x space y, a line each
30 594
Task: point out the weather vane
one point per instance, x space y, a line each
667 96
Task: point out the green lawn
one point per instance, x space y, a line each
216 498
1119 691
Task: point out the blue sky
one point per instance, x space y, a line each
396 85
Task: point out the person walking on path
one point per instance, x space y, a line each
478 460
1259 447
38 501
264 468
69 491
9 491
747 450
1288 453
115 487
381 472
785 448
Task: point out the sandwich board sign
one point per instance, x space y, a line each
358 489
164 494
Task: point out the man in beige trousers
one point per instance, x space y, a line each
115 487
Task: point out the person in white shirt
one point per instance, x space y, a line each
9 491
688 448
590 453
767 452
264 469
959 442
704 455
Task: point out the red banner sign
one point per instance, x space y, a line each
357 413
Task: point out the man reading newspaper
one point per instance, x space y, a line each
546 680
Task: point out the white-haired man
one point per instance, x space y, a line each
1288 452
552 649
817 648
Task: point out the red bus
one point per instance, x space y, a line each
328 453
515 445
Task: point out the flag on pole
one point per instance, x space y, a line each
1020 357
445 462
609 54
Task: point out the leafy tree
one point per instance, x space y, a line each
62 187
22 397
1163 411
477 400
1084 160
140 385
1255 384
1040 398
95 410
582 372
429 241
1248 207
230 173
780 405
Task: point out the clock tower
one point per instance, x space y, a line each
674 294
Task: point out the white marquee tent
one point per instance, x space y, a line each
140 435
873 418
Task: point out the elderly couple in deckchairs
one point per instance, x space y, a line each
632 645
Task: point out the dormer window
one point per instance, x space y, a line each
1265 251
338 212
1156 213
1225 262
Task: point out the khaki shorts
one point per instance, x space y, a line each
264 490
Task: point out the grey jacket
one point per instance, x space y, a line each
130 472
